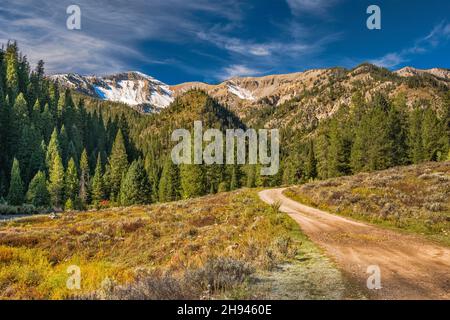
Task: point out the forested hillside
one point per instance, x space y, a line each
64 150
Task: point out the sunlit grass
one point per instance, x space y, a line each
119 243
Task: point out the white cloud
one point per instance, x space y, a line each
299 7
389 60
110 30
237 70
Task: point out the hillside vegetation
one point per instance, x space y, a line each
414 198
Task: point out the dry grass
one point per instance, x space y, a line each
414 198
167 243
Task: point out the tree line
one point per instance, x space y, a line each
63 150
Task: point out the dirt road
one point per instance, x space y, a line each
411 267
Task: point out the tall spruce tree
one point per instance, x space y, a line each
84 179
71 186
135 188
53 148
311 163
118 165
192 180
56 182
415 143
169 182
433 136
98 189
38 194
16 189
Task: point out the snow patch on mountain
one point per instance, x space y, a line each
241 93
136 89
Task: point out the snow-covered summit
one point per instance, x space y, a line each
134 88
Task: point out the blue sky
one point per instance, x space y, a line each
205 40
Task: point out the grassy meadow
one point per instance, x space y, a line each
229 245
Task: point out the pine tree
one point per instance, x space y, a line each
251 176
20 110
56 182
339 150
63 139
84 179
98 189
372 146
415 143
321 146
118 162
53 148
135 187
16 190
192 181
37 160
398 132
234 177
433 136
311 163
38 194
48 122
12 76
68 206
169 182
72 182
29 142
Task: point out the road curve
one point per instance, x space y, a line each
411 267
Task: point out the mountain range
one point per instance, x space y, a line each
328 88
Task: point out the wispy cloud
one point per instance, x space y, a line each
250 58
237 70
439 35
110 30
299 7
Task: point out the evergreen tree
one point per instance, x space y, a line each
48 122
251 176
192 181
20 110
135 187
118 162
311 163
372 147
37 160
415 143
321 146
433 136
56 182
339 150
72 182
398 132
38 194
84 179
98 190
12 76
16 190
53 148
63 139
169 182
234 177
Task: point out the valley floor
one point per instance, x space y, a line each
229 245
